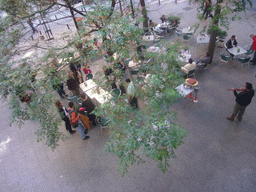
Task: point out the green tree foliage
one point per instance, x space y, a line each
221 10
150 131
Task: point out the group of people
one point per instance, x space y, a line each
80 117
232 42
200 63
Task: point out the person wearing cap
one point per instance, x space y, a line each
243 99
253 49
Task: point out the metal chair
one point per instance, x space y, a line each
179 33
103 122
244 61
118 92
225 58
90 76
191 73
249 51
186 38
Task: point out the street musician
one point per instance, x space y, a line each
243 99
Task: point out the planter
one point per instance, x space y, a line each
220 44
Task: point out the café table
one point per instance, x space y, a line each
184 55
187 90
187 30
237 51
202 38
95 92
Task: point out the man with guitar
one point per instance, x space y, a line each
243 99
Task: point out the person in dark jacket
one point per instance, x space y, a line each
73 85
243 99
231 42
204 61
89 107
64 116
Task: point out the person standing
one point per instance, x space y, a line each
207 9
64 116
243 99
131 94
76 121
163 18
89 106
29 22
253 49
73 85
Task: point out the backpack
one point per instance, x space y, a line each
72 121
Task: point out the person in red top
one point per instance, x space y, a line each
253 48
87 70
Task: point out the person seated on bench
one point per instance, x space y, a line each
204 61
189 66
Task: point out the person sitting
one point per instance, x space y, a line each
163 18
204 61
189 67
231 43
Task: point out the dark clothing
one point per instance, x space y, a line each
66 119
133 102
89 106
202 63
72 84
229 43
244 98
108 71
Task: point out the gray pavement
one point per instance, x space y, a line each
218 155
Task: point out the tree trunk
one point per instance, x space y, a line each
144 13
72 13
121 10
132 9
212 43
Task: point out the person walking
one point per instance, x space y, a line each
64 116
243 99
76 121
131 94
253 49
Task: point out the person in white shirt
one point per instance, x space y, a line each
189 66
131 94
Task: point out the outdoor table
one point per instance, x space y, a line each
203 39
96 93
185 55
187 30
186 90
235 52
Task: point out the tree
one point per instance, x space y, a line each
26 83
222 9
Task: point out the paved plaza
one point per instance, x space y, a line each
218 155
